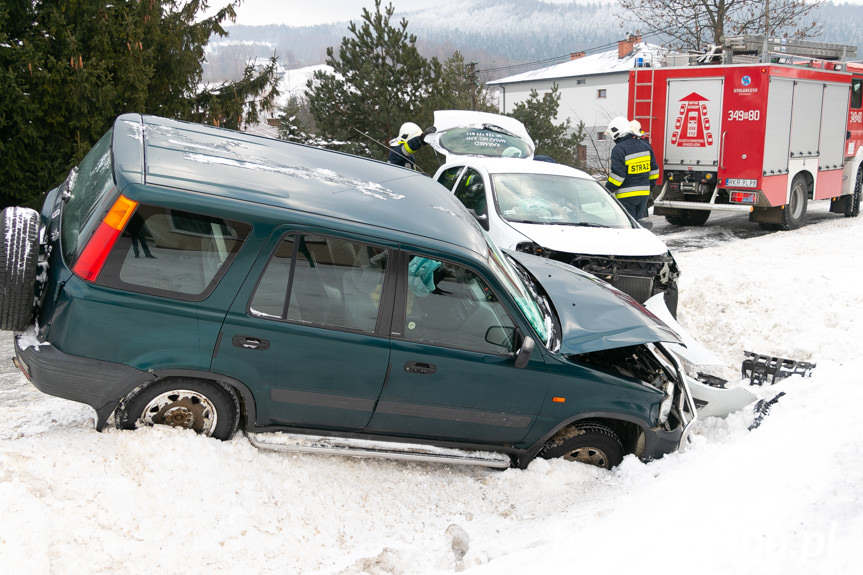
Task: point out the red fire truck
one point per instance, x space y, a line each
771 126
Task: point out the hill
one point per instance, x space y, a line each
510 37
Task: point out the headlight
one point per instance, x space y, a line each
667 403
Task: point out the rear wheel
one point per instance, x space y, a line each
795 211
19 256
591 443
205 407
852 206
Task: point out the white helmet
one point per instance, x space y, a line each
636 127
409 130
618 127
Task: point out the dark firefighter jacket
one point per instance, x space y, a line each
633 168
402 154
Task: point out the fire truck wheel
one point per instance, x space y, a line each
852 207
795 211
689 218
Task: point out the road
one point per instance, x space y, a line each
726 227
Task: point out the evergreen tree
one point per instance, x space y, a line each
559 141
379 81
68 68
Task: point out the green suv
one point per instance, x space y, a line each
213 280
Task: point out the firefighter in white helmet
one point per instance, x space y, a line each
633 168
403 147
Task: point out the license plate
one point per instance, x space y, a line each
737 183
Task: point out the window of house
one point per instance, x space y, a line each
600 135
580 82
601 93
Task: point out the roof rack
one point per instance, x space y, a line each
771 48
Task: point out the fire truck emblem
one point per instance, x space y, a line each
692 126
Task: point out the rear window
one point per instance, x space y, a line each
89 186
487 142
173 253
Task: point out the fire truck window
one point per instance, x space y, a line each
857 93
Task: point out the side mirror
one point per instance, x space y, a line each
481 218
502 336
522 356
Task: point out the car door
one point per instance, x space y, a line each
448 379
309 337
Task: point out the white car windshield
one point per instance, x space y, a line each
524 297
556 199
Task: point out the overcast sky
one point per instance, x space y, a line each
306 13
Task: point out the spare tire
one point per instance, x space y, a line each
19 256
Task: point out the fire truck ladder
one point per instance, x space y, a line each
641 98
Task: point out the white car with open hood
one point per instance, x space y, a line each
545 208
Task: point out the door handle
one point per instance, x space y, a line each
250 342
420 367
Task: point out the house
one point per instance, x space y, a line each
593 89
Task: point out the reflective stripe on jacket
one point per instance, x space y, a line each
633 168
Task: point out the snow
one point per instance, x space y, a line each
784 498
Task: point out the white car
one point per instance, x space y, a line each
545 208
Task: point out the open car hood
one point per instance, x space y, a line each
594 316
479 134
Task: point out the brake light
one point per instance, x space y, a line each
91 260
743 197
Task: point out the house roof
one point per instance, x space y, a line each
602 63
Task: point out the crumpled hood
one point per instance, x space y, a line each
479 134
593 241
594 316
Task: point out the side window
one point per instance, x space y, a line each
856 93
322 280
471 192
173 253
450 305
449 176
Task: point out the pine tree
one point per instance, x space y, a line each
559 141
68 68
379 81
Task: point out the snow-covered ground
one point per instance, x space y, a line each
785 498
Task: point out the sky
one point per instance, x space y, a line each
785 498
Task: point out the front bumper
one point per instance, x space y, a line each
99 384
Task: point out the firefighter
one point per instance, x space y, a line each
633 168
410 139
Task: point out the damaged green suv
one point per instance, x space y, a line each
213 280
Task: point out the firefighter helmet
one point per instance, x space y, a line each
409 130
618 127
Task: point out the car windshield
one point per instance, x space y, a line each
525 298
556 199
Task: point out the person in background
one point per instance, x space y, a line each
410 139
633 168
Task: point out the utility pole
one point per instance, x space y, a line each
470 75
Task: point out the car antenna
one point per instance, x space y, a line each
381 144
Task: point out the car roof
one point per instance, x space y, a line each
215 161
518 166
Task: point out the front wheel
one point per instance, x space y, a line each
205 407
852 206
591 443
689 218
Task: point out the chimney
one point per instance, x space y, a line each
576 55
624 47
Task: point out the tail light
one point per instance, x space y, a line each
90 262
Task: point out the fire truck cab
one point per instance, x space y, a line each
762 127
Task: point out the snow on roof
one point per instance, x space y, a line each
602 63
